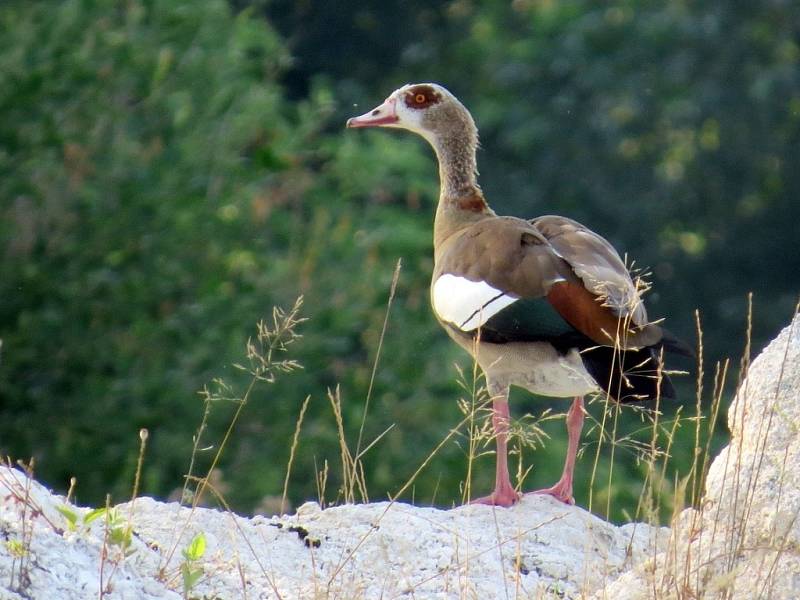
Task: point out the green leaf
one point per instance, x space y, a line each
120 536
16 548
70 515
93 515
196 548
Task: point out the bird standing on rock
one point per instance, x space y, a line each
544 304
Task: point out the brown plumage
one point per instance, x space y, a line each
545 304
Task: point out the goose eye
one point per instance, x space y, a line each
421 97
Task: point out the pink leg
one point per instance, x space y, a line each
504 493
563 489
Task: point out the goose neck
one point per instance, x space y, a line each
457 165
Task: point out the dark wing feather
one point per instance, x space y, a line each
532 320
628 375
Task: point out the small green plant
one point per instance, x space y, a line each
19 548
191 571
118 531
16 548
265 362
118 534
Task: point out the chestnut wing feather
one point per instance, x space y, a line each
595 261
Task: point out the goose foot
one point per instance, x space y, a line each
561 491
504 497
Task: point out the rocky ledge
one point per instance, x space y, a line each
742 542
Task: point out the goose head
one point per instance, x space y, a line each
427 109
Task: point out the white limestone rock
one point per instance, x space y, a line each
743 542
42 558
540 548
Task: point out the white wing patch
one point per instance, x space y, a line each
467 304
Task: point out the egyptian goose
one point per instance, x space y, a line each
544 304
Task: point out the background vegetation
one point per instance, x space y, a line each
169 171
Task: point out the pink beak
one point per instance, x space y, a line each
385 114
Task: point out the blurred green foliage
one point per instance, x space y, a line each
169 171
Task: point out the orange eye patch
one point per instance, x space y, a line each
421 96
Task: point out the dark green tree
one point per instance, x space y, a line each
159 196
169 171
